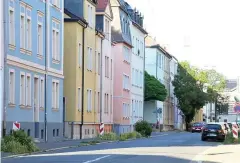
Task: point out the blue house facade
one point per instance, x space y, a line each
34 67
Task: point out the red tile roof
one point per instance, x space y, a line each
102 4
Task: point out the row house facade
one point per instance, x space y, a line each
34 67
157 63
122 67
138 35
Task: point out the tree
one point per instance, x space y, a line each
154 89
188 91
222 103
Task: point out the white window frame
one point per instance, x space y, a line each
42 89
55 94
79 98
40 35
126 79
89 100
56 3
11 95
22 31
28 90
80 55
89 59
28 29
22 88
96 61
99 63
11 24
55 40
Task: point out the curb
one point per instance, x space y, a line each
77 146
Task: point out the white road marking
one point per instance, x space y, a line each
158 135
97 159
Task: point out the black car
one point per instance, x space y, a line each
214 131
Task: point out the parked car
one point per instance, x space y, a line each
197 127
216 131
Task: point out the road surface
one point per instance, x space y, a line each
166 148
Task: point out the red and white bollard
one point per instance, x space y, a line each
235 131
101 128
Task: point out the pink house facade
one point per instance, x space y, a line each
121 51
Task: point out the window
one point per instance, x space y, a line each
55 41
126 53
133 42
28 30
99 63
126 82
133 108
41 93
105 103
126 110
53 132
89 59
111 100
56 3
79 55
98 102
55 94
141 79
136 78
11 23
79 99
90 16
111 70
40 35
28 90
89 100
57 132
133 76
11 87
106 66
22 88
22 26
107 27
96 62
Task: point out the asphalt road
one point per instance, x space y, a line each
165 148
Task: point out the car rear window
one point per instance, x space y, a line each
197 124
213 126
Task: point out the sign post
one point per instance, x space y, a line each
16 126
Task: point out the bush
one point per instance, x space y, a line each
124 137
109 136
138 135
144 128
18 142
230 139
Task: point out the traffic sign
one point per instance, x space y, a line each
16 126
235 131
237 107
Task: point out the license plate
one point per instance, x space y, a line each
197 129
212 135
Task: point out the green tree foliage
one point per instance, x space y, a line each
154 89
189 91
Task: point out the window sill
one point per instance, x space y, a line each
55 109
24 107
128 90
126 61
55 61
41 108
89 70
40 56
56 7
11 105
22 50
11 46
28 52
28 107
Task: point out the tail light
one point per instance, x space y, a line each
205 129
220 131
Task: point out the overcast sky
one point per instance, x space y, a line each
210 28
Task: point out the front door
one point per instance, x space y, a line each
36 107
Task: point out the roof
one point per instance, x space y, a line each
139 27
102 5
157 46
74 18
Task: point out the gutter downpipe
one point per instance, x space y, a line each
3 69
46 70
101 82
83 78
144 71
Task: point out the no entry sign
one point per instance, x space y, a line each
16 126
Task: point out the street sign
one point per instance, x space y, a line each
101 128
16 126
237 107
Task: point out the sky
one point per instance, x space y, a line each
204 32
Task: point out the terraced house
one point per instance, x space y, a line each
80 89
122 66
34 67
104 17
137 63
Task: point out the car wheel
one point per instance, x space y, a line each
192 131
203 139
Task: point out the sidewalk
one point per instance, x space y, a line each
220 154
